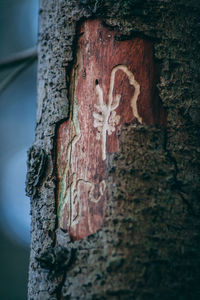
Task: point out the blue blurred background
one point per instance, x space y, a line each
18 32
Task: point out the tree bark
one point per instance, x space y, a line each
143 238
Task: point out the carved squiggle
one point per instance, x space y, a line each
71 194
106 119
102 187
74 192
101 119
65 193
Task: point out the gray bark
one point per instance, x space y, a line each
148 247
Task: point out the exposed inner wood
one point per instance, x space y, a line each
112 83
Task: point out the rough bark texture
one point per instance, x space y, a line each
148 247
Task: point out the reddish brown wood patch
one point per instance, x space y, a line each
112 83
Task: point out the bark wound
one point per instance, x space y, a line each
112 83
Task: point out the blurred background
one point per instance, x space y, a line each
18 32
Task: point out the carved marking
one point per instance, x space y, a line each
106 119
113 84
71 194
66 193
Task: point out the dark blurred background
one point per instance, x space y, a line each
18 32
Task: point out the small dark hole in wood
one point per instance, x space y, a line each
96 81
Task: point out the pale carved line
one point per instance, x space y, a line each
102 187
72 193
75 191
106 119
66 193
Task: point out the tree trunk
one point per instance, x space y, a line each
113 172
